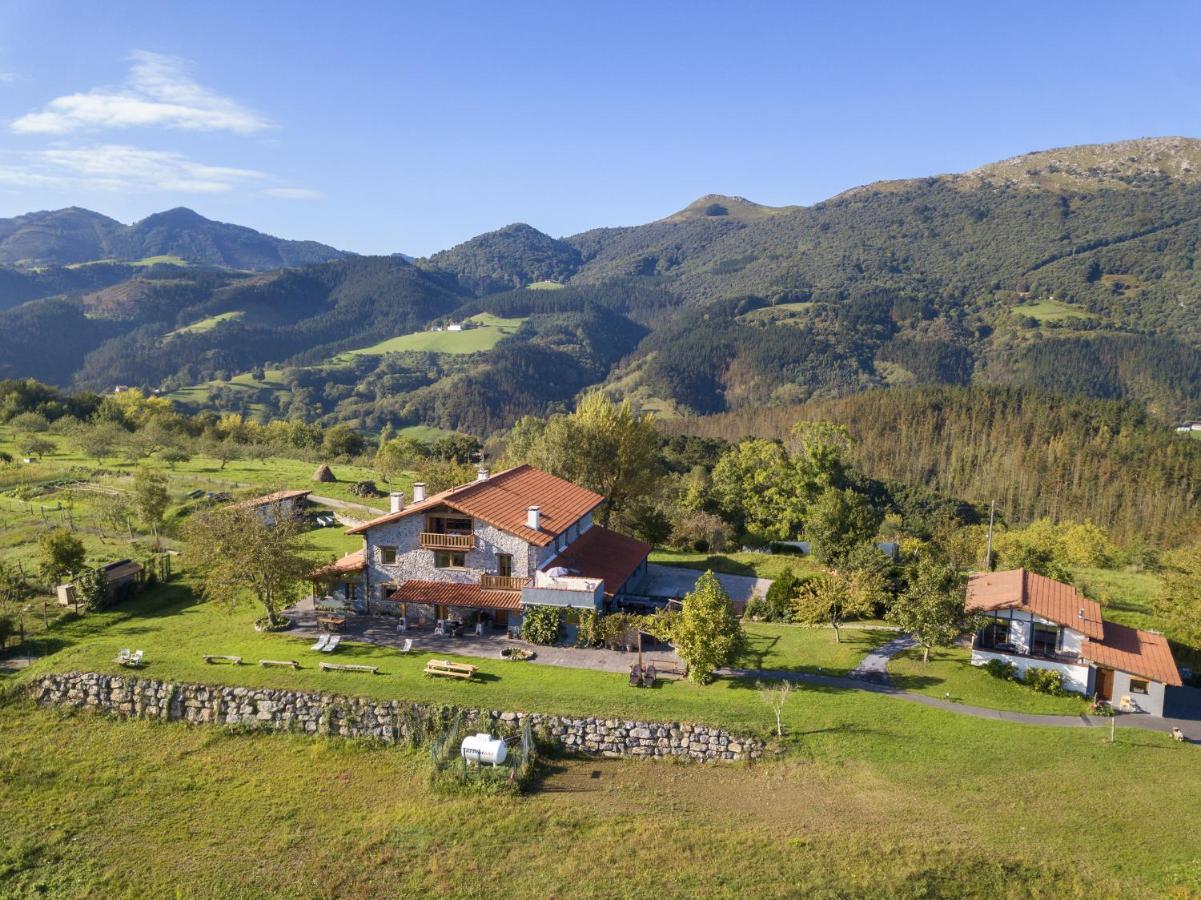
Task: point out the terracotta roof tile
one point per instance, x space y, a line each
1045 597
601 553
351 562
449 593
503 500
1137 652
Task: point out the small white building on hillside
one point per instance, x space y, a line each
1035 622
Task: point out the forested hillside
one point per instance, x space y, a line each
1070 271
1034 453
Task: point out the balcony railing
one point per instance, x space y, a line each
432 540
502 582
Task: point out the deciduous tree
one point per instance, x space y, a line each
931 609
240 558
60 555
833 597
706 635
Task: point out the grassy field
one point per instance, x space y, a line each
759 565
207 324
950 674
1052 311
146 261
798 648
781 312
868 798
545 286
487 335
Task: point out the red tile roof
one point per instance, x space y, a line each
351 562
1045 597
601 553
503 499
1137 652
449 593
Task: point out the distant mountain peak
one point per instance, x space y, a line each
724 206
1121 164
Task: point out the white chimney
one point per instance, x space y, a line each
418 491
533 518
397 499
481 474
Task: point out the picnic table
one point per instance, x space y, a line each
289 663
331 622
449 669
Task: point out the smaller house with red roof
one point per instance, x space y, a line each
1034 622
486 550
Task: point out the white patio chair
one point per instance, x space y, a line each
440 628
136 659
408 646
334 641
402 626
479 629
321 642
124 655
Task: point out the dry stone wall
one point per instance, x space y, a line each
390 721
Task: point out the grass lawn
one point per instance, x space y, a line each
950 671
869 797
207 324
487 335
798 648
759 565
1052 311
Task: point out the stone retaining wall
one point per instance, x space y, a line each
386 720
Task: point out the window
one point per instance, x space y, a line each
1046 640
996 633
450 559
504 564
387 556
1137 686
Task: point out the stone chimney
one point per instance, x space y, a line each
418 491
481 474
396 501
533 518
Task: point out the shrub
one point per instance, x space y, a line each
1045 681
588 631
91 586
541 624
1000 668
756 609
777 605
8 627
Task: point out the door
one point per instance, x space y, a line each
500 618
1105 684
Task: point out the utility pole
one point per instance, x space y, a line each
992 512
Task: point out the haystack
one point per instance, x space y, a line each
324 474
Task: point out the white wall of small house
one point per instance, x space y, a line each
1150 702
1075 677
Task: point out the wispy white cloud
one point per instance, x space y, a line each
291 193
7 77
119 167
158 92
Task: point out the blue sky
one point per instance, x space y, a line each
381 127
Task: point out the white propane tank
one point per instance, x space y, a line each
483 748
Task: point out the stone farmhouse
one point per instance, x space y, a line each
485 551
1033 621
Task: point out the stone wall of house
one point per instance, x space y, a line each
413 562
389 721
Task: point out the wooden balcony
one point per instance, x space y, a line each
502 582
432 540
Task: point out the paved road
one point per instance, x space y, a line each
874 666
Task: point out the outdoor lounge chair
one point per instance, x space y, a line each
635 676
321 642
332 644
408 646
648 676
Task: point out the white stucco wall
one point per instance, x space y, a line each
1150 702
1075 677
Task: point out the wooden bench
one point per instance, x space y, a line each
347 667
449 669
290 663
668 669
236 660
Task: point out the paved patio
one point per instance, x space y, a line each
381 630
676 581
